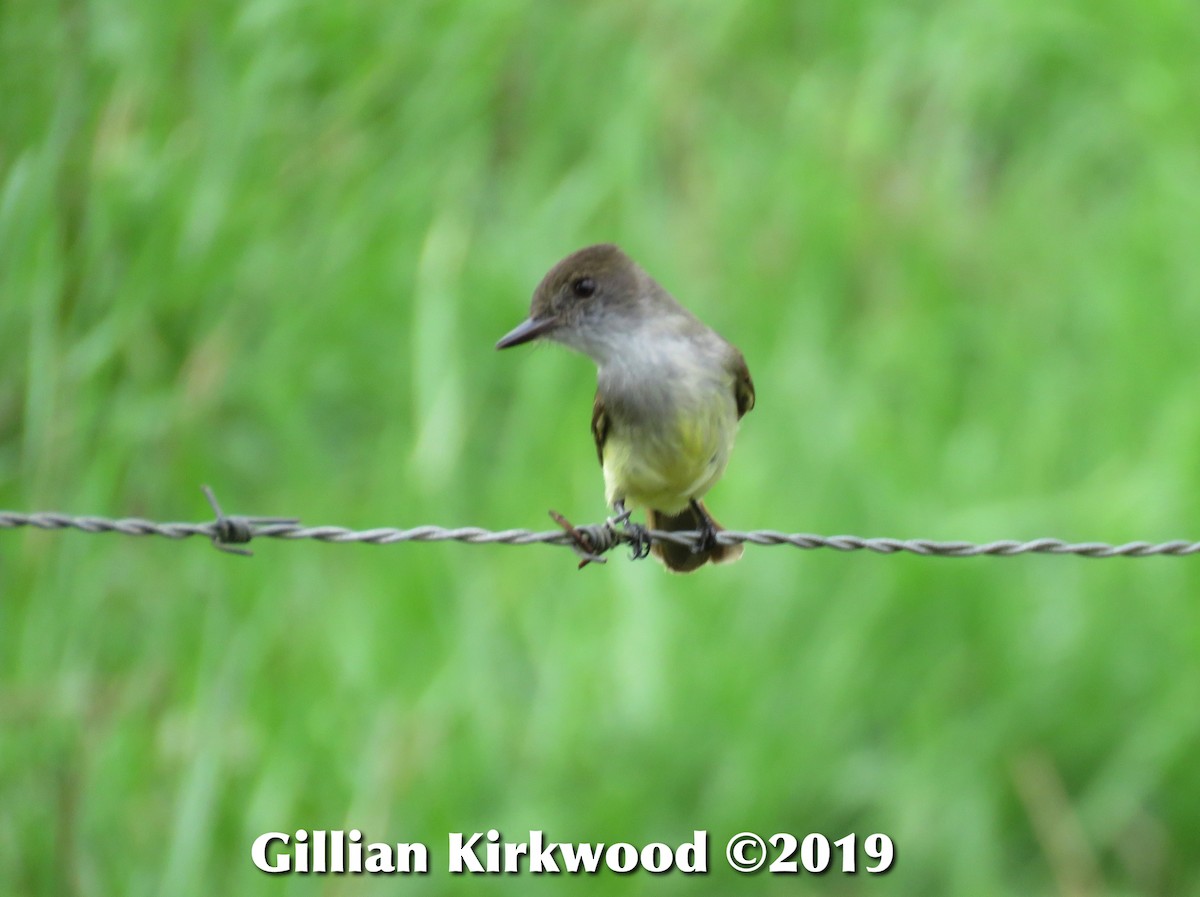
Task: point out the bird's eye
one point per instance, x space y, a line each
584 287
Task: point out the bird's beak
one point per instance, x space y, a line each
526 331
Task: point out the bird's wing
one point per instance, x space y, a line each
599 426
743 386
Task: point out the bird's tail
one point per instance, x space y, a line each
680 558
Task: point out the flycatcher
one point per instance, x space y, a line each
669 392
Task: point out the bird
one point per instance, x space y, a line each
670 393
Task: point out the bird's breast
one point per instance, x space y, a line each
668 441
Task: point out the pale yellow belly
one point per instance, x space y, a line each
666 463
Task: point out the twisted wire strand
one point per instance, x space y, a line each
591 541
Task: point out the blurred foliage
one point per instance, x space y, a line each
269 245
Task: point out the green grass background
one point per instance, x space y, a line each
269 245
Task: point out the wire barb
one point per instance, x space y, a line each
591 542
228 533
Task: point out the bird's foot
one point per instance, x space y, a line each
639 541
708 531
638 535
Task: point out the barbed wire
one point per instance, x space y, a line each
231 532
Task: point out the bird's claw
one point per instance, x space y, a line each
708 533
639 540
638 535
